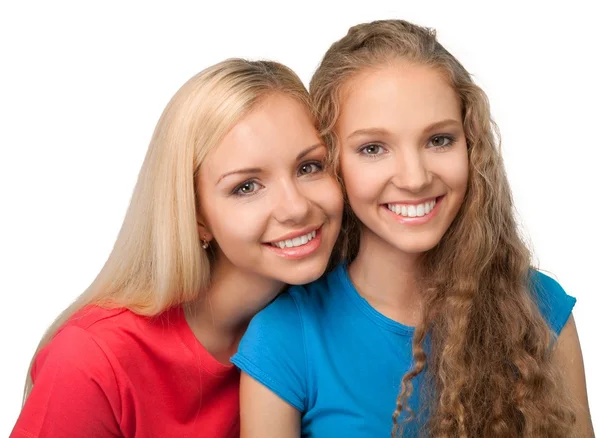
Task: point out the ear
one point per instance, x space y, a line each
203 231
203 228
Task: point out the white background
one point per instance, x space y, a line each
82 85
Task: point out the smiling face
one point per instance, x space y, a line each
266 198
403 155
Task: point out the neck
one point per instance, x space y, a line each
387 279
220 318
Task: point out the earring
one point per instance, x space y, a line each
204 239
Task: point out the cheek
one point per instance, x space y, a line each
328 195
236 224
458 171
452 168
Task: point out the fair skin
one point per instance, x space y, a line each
264 184
400 130
569 358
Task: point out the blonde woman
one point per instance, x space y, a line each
436 325
233 201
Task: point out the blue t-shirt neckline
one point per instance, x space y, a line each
369 311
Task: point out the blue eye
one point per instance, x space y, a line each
310 168
372 149
246 188
441 141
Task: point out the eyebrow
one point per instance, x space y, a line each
369 131
254 170
381 132
443 124
246 171
308 150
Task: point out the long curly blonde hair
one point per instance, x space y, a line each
488 368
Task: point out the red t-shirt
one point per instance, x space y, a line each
112 373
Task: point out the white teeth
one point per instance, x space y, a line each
296 241
411 210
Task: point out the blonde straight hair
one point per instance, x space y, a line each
157 261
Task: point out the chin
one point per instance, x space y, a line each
303 276
418 246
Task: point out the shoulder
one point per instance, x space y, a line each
96 319
117 328
554 303
125 338
275 325
83 341
74 359
76 387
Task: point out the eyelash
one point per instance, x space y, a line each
237 191
362 150
318 164
451 140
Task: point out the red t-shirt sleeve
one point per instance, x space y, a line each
75 392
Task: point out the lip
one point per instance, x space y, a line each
294 234
417 220
298 252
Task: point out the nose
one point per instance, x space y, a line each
411 173
291 204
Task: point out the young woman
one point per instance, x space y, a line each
233 201
435 325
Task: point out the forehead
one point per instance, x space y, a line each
397 92
277 128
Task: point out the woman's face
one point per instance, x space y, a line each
403 155
266 198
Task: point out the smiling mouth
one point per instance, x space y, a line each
297 247
413 210
296 241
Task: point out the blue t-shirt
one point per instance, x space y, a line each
324 350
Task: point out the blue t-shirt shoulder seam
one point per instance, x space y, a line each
274 385
270 377
554 304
